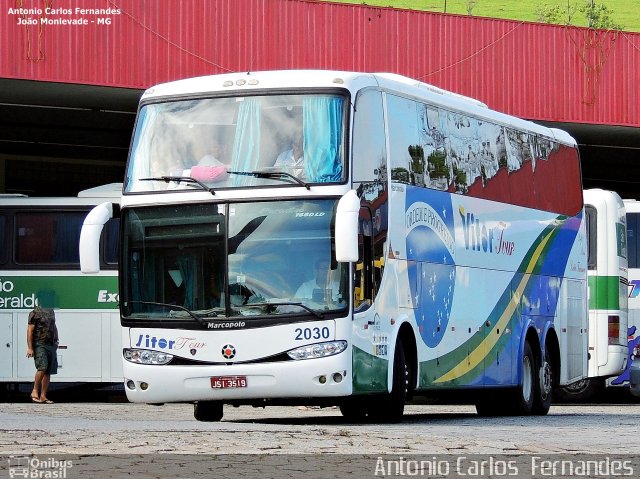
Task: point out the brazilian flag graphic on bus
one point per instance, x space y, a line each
430 239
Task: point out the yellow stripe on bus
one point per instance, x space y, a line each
480 352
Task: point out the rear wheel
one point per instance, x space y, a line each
524 395
544 386
208 411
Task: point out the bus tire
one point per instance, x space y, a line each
523 397
354 409
580 391
208 411
391 407
543 392
490 404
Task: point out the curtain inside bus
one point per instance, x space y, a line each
246 144
322 129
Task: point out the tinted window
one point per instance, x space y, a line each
369 148
632 239
48 237
112 241
592 235
3 239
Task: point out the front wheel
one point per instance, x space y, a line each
391 408
354 409
208 411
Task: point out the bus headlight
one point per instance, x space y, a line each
144 356
319 350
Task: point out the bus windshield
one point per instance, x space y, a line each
215 143
208 261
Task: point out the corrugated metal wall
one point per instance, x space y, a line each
530 70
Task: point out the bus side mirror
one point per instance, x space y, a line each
347 228
90 237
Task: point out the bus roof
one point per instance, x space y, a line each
243 82
91 196
111 190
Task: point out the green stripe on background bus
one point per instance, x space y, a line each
604 292
69 292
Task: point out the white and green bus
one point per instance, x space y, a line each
633 331
39 256
421 244
608 293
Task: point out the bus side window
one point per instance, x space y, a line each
363 281
632 241
3 239
592 236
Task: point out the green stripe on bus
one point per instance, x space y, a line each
68 292
604 292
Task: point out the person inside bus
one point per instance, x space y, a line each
292 157
320 288
213 154
210 166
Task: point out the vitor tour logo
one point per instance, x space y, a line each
34 467
481 236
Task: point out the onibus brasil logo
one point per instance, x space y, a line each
37 468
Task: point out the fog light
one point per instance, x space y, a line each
322 379
337 377
144 386
131 385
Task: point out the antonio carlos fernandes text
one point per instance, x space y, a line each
535 466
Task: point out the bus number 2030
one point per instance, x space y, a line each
312 333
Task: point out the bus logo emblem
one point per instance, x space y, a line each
228 351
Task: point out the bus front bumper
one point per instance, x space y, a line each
311 378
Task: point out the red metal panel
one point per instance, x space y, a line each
530 70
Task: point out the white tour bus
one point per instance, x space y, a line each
341 238
39 256
633 330
608 290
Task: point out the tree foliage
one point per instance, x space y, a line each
597 14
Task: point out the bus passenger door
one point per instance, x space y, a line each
369 369
6 345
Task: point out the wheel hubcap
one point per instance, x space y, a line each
527 377
545 380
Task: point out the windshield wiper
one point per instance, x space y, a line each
276 175
172 307
177 179
287 303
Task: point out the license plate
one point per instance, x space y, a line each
227 382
